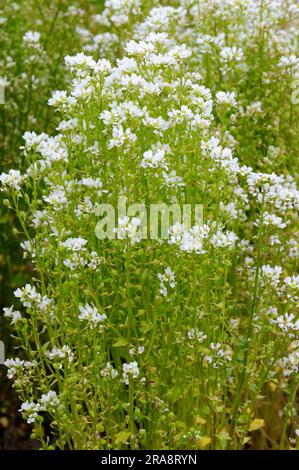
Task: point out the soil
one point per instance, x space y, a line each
14 431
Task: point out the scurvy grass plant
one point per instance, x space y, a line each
34 38
185 343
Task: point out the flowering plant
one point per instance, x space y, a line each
134 342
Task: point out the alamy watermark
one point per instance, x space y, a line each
2 90
144 222
2 352
295 89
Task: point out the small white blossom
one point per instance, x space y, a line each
31 37
167 280
130 370
91 314
74 244
228 98
109 371
14 316
129 228
12 179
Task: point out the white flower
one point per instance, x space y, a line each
288 61
91 183
228 98
154 159
140 350
12 179
95 261
219 355
49 401
31 37
129 228
287 323
60 353
230 209
195 334
32 139
15 316
172 180
91 314
180 52
79 61
30 411
167 280
103 66
75 244
272 275
191 240
69 124
120 137
292 282
30 298
58 97
28 295
139 48
130 370
224 239
273 220
17 366
229 54
290 364
109 371
56 198
178 116
127 64
159 125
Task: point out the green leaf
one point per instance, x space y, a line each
122 437
204 441
120 342
256 424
